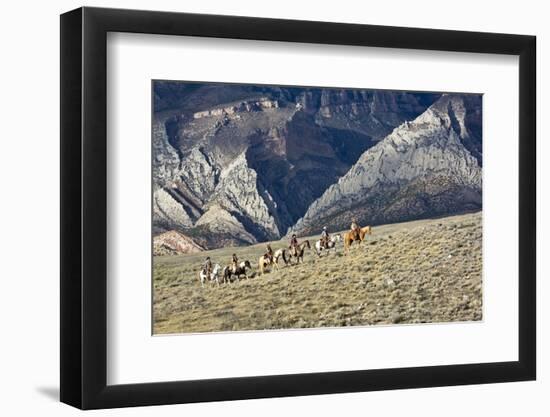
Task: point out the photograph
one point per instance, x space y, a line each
291 207
272 209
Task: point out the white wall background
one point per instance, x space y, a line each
29 219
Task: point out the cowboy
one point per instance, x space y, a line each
325 238
293 245
269 254
354 228
207 267
234 263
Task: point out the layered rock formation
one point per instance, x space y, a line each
236 165
427 167
174 243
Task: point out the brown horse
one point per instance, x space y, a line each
298 252
350 237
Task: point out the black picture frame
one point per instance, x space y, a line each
84 207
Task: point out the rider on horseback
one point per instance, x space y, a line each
293 245
355 229
207 267
325 238
234 263
269 254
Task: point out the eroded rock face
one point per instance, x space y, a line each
374 113
237 165
429 166
167 210
165 159
237 193
224 227
174 243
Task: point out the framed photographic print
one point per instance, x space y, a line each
257 208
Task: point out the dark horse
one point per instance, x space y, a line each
241 270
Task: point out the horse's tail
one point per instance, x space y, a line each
261 265
284 256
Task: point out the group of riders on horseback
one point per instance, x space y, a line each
208 267
294 248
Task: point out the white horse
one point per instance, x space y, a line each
264 261
280 254
331 244
214 275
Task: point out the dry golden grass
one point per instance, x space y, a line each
416 272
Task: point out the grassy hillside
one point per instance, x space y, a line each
415 272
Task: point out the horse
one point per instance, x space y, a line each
280 253
214 275
331 244
265 261
350 237
298 251
241 270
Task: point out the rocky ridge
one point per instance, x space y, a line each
241 165
426 167
174 243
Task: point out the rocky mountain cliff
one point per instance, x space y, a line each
426 167
174 243
236 164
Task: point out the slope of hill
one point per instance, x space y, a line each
423 271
